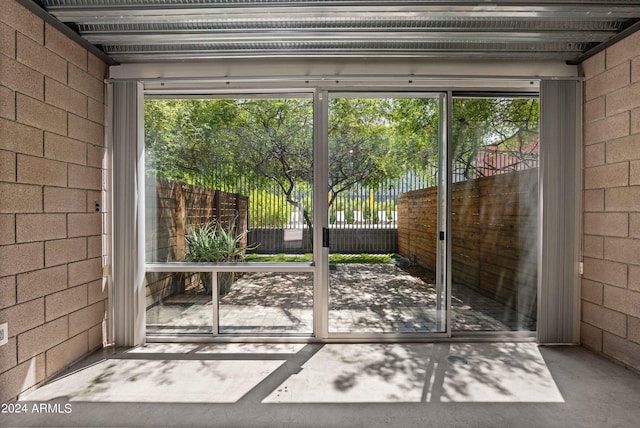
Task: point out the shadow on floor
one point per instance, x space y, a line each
314 385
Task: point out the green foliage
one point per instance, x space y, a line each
211 242
360 144
227 143
509 125
359 258
275 139
333 258
185 139
506 124
349 203
279 258
219 143
269 205
269 210
417 132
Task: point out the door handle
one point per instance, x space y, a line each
325 237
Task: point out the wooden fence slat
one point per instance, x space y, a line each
494 232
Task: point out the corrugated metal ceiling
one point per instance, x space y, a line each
175 30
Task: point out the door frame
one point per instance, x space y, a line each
219 267
321 165
558 283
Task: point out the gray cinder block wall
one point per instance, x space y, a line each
51 157
611 280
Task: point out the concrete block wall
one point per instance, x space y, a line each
611 246
51 168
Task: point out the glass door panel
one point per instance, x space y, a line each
267 302
229 180
384 151
178 303
494 211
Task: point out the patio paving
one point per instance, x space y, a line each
374 298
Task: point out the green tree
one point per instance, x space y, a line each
273 139
211 142
361 145
184 139
221 142
417 132
506 125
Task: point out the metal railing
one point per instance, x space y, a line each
360 208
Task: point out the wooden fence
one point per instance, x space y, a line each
494 235
170 209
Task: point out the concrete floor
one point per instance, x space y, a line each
338 385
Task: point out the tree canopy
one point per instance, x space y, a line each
217 142
505 125
361 144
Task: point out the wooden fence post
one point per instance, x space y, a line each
180 218
217 214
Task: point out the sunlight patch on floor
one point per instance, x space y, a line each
494 372
499 372
361 373
331 373
159 381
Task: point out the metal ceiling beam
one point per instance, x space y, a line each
166 30
337 49
378 24
342 36
153 14
315 54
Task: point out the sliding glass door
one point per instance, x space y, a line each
385 180
494 212
426 204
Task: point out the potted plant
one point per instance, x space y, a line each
211 242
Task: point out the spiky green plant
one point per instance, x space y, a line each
210 242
